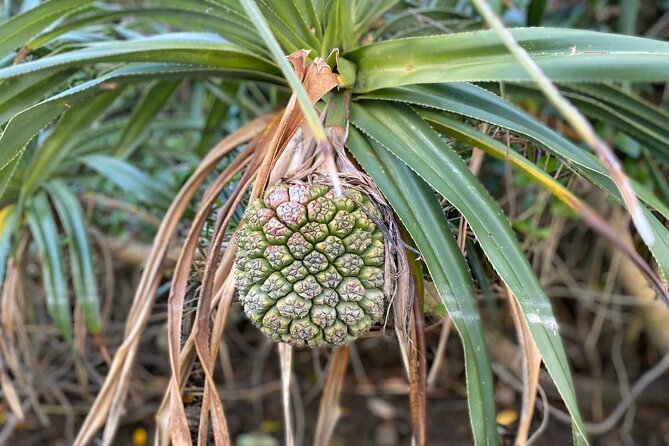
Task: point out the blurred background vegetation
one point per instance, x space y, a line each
96 185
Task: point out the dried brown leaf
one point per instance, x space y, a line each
440 353
263 165
203 315
329 410
222 310
418 375
318 79
179 425
285 362
9 393
108 404
16 352
530 368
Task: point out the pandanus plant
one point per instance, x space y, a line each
353 184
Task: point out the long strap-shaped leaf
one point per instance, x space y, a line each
83 277
475 102
144 112
203 49
131 179
564 55
25 125
289 25
643 112
16 31
366 13
399 129
9 224
416 206
8 172
52 151
467 133
44 231
17 95
478 103
406 22
187 15
624 115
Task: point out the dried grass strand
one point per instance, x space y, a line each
530 368
329 410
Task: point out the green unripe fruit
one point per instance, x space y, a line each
310 265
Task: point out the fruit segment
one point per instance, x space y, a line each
309 268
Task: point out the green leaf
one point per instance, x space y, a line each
310 116
7 172
535 12
180 14
311 14
339 31
319 9
130 179
55 149
207 50
25 125
628 16
367 13
415 204
230 6
106 135
661 183
480 273
216 112
289 25
400 130
624 116
465 133
471 101
43 228
83 277
409 22
151 103
616 97
16 31
640 119
9 224
15 98
475 102
564 55
660 249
